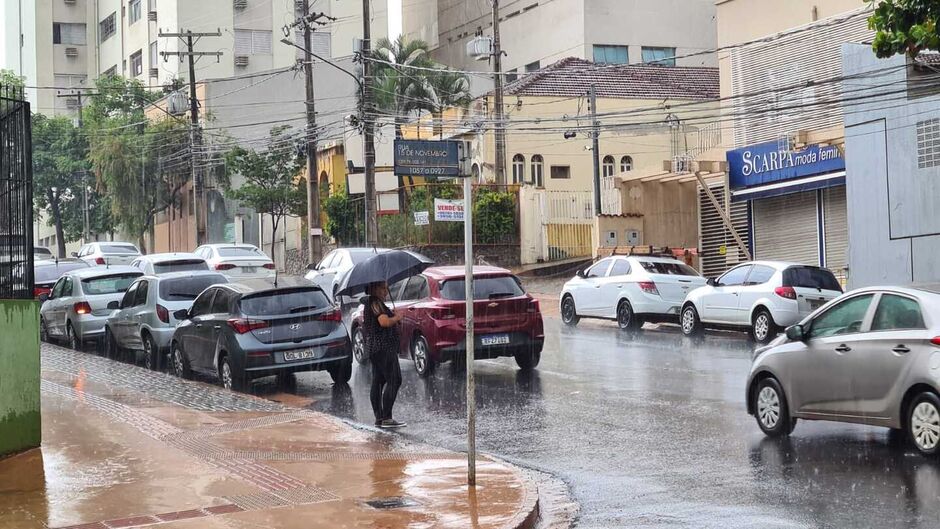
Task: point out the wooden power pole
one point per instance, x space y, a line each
498 99
314 231
368 130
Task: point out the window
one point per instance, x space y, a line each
319 43
239 251
143 288
760 275
621 267
533 67
106 29
188 288
130 296
137 63
510 76
416 288
518 169
327 261
203 303
560 172
598 270
897 312
154 55
133 11
483 288
252 42
660 56
672 269
67 287
284 302
607 167
844 318
607 54
538 165
222 304
626 164
928 143
69 81
96 286
735 276
63 33
810 277
110 72
57 289
179 265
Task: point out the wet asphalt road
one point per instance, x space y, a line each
652 432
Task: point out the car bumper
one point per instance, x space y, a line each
518 343
327 354
88 326
162 337
651 308
785 317
245 277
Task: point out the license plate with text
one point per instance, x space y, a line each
495 339
290 356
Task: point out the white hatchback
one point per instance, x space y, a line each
762 297
237 261
629 289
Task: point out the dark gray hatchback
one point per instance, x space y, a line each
242 331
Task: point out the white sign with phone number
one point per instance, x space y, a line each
421 218
448 210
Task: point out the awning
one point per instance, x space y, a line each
775 189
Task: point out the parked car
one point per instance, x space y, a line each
144 319
868 357
760 296
242 331
631 290
507 320
107 253
46 273
164 263
77 308
42 253
330 270
237 261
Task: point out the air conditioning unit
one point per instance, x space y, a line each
480 48
71 52
240 4
152 16
154 72
70 2
71 103
241 61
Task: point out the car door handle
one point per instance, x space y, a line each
901 349
198 325
843 348
216 327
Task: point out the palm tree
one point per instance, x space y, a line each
400 87
447 89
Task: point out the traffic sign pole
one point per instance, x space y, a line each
468 280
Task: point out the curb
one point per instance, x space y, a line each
527 515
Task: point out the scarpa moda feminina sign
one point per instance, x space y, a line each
448 210
766 162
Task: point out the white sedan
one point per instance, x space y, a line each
328 273
629 289
237 261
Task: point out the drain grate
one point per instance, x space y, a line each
391 503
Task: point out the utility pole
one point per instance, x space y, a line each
86 225
314 231
190 38
595 149
368 129
498 99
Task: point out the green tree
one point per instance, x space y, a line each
400 87
446 89
10 85
904 26
342 220
272 183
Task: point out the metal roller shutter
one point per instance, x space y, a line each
713 234
836 230
785 228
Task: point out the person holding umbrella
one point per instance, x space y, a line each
380 323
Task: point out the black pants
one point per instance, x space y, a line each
386 379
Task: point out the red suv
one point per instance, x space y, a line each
507 321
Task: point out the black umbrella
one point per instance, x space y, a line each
389 266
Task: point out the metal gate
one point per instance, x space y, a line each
717 246
16 196
567 224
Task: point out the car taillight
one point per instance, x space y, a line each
224 266
82 308
99 260
241 325
442 314
38 291
533 306
649 287
163 314
785 292
269 266
935 340
259 354
335 315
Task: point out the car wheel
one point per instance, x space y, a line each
690 322
228 377
626 318
151 352
421 354
770 408
111 348
763 328
181 366
43 332
923 423
72 339
528 359
341 372
359 345
569 314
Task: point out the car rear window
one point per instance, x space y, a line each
128 249
42 252
240 252
483 288
280 302
188 288
108 284
182 265
672 269
810 277
45 274
359 256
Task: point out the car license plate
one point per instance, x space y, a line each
815 303
494 339
248 269
291 356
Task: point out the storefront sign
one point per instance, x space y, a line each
421 218
427 158
766 163
448 210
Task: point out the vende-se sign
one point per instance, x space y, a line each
765 163
428 158
448 210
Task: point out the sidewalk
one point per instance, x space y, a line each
126 447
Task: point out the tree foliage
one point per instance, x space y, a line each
343 222
494 214
904 26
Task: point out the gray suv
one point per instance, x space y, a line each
144 319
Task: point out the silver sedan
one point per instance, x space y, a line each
871 356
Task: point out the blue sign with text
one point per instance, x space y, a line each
427 158
766 163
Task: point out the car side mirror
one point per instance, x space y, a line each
580 273
796 333
181 315
44 297
312 266
114 305
712 282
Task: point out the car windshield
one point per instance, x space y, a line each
240 251
47 273
124 249
115 284
181 265
42 252
810 277
188 288
673 269
278 302
483 288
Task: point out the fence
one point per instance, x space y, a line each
16 196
